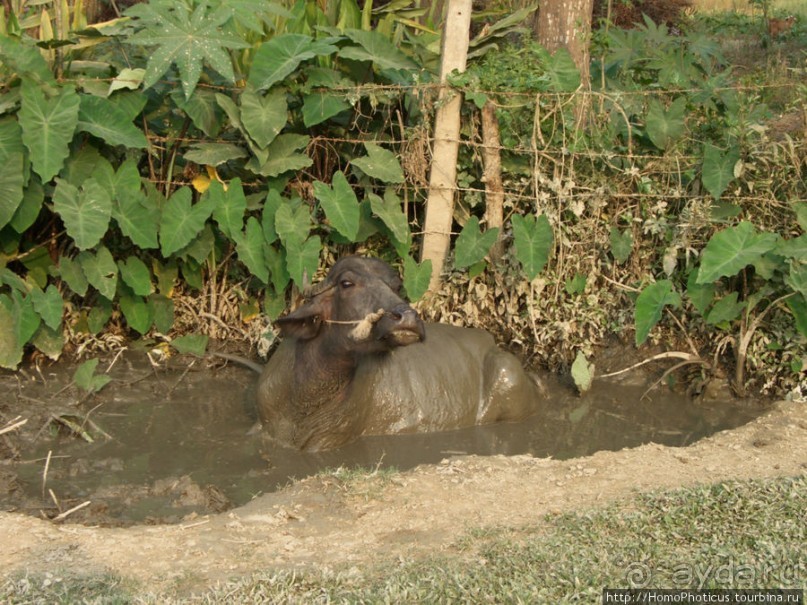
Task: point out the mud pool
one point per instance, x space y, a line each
173 442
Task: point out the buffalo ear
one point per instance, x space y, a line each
303 324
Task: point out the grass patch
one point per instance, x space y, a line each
747 534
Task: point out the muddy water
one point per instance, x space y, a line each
178 440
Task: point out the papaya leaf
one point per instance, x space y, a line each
101 271
533 240
249 246
718 169
726 309
214 154
472 245
191 344
71 273
136 275
733 249
391 214
320 106
264 116
281 55
182 221
184 39
48 126
49 305
228 206
138 311
377 48
380 163
102 118
665 126
302 261
85 212
649 306
416 277
87 380
340 205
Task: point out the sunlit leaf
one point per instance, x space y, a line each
302 260
533 240
319 106
380 163
377 48
340 205
390 212
102 118
264 116
283 155
416 277
281 55
85 212
472 245
228 206
182 221
249 246
733 249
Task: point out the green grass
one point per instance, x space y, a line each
748 534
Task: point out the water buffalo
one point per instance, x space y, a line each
358 360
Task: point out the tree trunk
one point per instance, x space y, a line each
442 181
567 24
492 176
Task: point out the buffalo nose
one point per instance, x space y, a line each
404 313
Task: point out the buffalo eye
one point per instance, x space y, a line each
345 284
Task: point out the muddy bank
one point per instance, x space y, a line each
325 522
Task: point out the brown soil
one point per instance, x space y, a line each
323 522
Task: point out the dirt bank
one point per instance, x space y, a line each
324 521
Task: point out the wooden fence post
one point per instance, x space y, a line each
443 177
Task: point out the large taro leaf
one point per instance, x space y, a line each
203 110
533 240
665 126
733 249
10 346
283 155
12 173
214 154
101 271
380 163
718 169
650 305
250 248
136 275
107 121
281 55
376 47
319 106
49 305
292 223
302 260
472 244
48 125
184 39
138 311
263 116
416 277
391 214
182 221
85 212
340 205
229 206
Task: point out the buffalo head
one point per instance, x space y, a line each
357 308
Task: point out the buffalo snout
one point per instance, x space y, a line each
401 326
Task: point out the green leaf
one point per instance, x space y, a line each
182 221
28 211
249 247
533 241
163 312
795 248
582 372
85 212
49 305
320 106
733 249
701 295
800 208
137 215
70 271
391 214
576 285
191 344
375 47
136 275
472 245
102 118
214 154
280 56
86 379
271 204
381 164
276 262
718 169
292 224
139 313
264 116
228 206
797 278
202 109
184 39
416 277
302 261
10 346
725 309
128 78
101 271
49 341
282 155
798 306
47 127
562 74
666 126
99 315
12 177
340 205
649 306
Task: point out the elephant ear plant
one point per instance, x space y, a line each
743 276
